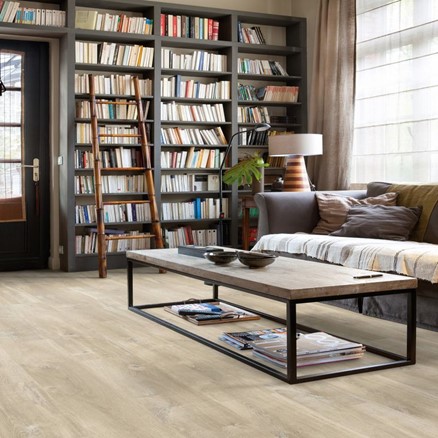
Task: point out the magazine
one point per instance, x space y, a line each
246 340
210 313
312 348
313 360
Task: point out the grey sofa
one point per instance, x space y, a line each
298 212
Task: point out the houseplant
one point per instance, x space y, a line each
249 171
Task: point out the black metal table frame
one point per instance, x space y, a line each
291 375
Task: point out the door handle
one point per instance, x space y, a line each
36 169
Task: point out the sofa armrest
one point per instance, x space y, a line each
291 212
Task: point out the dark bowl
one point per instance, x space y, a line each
222 257
255 259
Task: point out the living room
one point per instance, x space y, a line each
76 362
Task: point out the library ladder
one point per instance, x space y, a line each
102 237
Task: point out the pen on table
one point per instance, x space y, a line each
367 276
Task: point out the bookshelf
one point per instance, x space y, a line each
193 86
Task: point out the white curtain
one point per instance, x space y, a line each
331 111
396 112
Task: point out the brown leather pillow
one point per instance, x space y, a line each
333 209
379 222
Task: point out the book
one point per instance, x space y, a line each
85 19
210 313
312 348
247 340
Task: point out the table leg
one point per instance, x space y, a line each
291 324
130 284
411 325
215 291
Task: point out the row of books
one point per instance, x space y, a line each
84 184
253 114
173 111
277 161
174 86
271 93
253 138
87 243
312 348
121 212
199 208
278 93
187 236
250 35
119 110
192 159
112 84
260 67
114 54
11 12
193 136
94 20
83 133
121 158
196 60
184 26
189 183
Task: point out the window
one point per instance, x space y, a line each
11 147
396 112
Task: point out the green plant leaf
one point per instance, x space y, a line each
244 171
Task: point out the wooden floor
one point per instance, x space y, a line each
74 362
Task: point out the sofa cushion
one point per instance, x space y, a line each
333 209
411 195
379 222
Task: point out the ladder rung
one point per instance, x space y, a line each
136 236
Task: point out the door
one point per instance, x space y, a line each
24 155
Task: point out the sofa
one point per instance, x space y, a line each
387 227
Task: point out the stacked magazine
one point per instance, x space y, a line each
201 313
312 348
246 340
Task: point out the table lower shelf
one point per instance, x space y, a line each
208 335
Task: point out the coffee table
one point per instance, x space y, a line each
287 280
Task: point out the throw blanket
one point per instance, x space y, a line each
410 258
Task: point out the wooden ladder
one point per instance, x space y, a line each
102 238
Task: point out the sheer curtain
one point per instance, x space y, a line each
331 111
396 113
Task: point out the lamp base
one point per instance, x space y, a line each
295 177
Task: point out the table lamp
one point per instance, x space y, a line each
260 127
295 147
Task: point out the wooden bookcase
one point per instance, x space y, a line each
285 43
